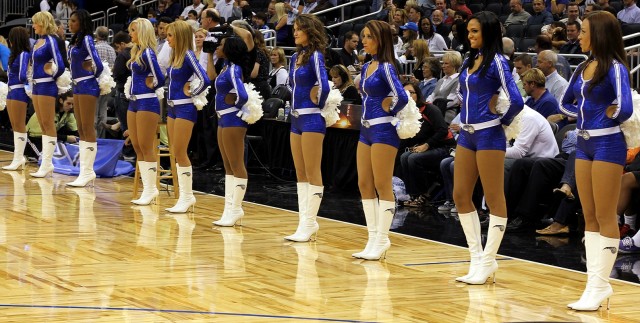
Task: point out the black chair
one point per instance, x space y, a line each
506 9
344 28
515 31
476 2
528 7
358 28
616 5
271 106
525 44
476 7
533 31
359 11
494 7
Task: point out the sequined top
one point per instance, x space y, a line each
303 78
382 83
18 69
230 81
476 91
48 52
591 106
85 52
179 76
140 72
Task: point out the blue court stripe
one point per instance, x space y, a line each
447 262
175 311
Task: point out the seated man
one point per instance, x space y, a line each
540 99
556 84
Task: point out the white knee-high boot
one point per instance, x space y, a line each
600 289
386 211
88 151
370 208
471 227
236 213
310 226
592 248
228 197
148 173
303 205
488 265
19 143
186 200
46 166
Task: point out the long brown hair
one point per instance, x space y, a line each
18 42
316 34
381 33
604 49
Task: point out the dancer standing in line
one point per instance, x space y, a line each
17 98
383 96
601 91
48 62
482 142
310 84
144 107
182 113
83 57
230 97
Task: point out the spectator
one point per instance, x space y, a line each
60 33
441 5
437 18
630 14
122 13
540 16
460 42
108 56
348 53
540 99
543 42
271 14
556 7
413 14
192 15
400 17
292 9
434 40
572 46
65 121
409 34
518 15
590 8
604 4
260 72
535 138
200 35
508 49
557 31
308 6
283 29
45 6
278 74
521 64
627 208
196 5
573 14
459 5
555 83
431 71
421 54
342 81
260 21
123 45
174 8
445 95
63 10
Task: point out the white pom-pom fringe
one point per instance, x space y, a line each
199 100
29 87
513 129
503 103
64 82
251 112
160 93
330 112
127 88
105 80
4 91
631 127
407 120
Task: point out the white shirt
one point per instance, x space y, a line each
557 85
437 43
281 75
164 55
63 12
535 138
186 10
226 10
453 95
44 6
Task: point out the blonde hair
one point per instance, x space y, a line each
282 60
454 58
45 19
201 30
421 51
3 41
208 3
146 39
183 38
280 11
534 75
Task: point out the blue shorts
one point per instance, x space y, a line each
231 120
313 122
183 111
46 89
87 87
486 139
609 148
18 95
149 105
384 133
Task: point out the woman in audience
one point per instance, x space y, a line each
383 97
309 80
202 57
144 107
85 91
17 98
428 32
181 111
48 63
278 74
460 42
282 29
399 17
482 142
558 33
260 73
342 81
445 94
431 72
421 54
601 149
230 97
409 34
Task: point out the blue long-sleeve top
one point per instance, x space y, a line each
230 81
139 73
46 53
18 69
476 92
179 76
304 78
591 107
382 83
85 51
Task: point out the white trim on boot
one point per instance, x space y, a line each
228 199
236 213
386 211
19 143
370 208
148 173
186 200
592 249
88 151
303 205
310 226
600 289
488 264
46 166
471 226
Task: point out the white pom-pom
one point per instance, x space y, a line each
407 120
105 80
4 91
330 112
631 127
160 93
29 86
64 82
503 103
127 88
251 112
199 100
513 129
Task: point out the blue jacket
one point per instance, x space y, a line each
382 83
179 76
84 52
18 69
304 78
230 81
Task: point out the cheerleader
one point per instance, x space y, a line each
310 84
383 96
17 98
144 107
86 66
48 63
482 142
230 97
601 91
187 79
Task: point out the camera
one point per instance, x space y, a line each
215 36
